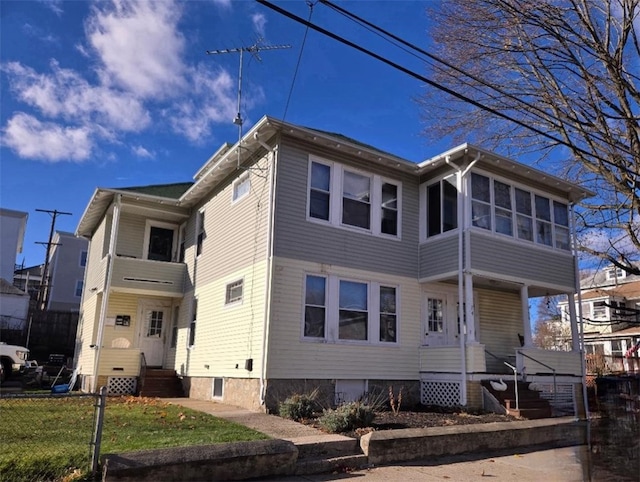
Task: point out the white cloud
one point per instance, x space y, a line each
213 101
142 152
259 23
54 5
222 3
64 93
46 141
139 45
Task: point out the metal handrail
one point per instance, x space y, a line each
143 371
555 384
515 383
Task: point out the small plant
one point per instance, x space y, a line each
347 417
395 402
299 406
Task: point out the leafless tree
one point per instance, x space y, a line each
569 69
550 332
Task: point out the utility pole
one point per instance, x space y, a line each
253 50
43 292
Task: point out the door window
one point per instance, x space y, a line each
154 324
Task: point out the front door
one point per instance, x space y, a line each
440 319
153 323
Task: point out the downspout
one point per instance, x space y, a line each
115 222
462 262
583 369
269 273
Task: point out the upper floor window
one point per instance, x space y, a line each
200 233
160 243
344 197
442 207
615 273
182 244
358 311
241 186
234 292
535 218
79 287
83 259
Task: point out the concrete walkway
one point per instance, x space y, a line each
271 425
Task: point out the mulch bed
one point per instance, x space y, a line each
422 418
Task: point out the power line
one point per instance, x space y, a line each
544 115
432 83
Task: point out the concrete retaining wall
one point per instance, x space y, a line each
389 446
234 461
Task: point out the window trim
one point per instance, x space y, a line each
332 311
191 338
83 254
336 195
239 181
200 232
227 292
147 237
79 284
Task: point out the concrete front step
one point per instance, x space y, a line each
532 403
530 413
330 465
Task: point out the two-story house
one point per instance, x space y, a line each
301 259
609 306
67 263
14 302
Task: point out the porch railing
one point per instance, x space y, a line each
553 371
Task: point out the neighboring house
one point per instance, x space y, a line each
67 263
14 303
29 279
302 259
611 320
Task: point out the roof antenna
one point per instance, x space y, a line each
253 50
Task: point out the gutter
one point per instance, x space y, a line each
269 271
462 268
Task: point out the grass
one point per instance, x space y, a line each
49 439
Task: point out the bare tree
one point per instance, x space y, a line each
569 69
550 332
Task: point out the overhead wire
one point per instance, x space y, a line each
295 73
385 34
432 83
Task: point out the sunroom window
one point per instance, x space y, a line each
502 209
481 201
543 221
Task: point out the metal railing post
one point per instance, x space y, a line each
515 383
97 434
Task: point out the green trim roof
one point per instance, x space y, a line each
172 191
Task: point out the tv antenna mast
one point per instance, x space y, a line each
254 50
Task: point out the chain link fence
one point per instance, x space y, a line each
49 437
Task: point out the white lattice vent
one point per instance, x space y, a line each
441 393
122 385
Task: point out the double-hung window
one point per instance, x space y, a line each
502 209
241 187
561 225
481 201
345 198
543 221
442 207
358 311
524 215
79 287
200 233
356 200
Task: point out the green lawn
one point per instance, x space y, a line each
47 439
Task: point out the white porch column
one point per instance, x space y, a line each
573 319
469 311
524 297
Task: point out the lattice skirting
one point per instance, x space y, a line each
441 393
122 385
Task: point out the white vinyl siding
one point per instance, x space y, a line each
345 359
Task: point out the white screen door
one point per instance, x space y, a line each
153 324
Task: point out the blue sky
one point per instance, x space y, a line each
121 93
